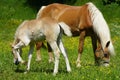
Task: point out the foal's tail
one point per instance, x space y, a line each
65 28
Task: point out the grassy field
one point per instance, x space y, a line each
12 15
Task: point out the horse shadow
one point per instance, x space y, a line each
41 69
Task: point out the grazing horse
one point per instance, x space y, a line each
32 31
85 20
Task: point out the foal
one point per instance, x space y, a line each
32 31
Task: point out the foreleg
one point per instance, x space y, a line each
96 48
38 54
80 48
31 49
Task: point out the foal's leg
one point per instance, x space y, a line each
38 54
65 56
57 55
51 59
29 57
80 49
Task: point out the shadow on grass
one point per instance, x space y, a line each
41 70
19 71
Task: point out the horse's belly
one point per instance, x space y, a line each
39 37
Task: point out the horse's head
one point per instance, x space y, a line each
103 55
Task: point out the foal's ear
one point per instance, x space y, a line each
108 43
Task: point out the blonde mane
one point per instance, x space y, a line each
100 27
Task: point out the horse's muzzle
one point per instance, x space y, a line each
16 62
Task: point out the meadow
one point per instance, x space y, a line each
12 14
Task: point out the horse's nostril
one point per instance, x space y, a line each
105 55
16 62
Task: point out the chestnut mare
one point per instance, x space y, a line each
85 20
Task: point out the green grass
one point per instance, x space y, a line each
12 15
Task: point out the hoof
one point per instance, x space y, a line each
78 65
26 72
38 60
54 74
69 71
51 60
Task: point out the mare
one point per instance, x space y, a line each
85 20
32 31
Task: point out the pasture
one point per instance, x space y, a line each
10 20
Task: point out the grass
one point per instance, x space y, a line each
12 15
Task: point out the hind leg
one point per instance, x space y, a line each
65 56
38 54
51 59
56 54
80 49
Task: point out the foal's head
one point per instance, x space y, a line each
103 55
16 51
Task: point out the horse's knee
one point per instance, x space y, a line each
57 54
80 50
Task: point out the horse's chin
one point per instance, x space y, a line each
106 64
102 63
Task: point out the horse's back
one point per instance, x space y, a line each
77 17
52 10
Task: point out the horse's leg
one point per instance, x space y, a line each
94 44
38 54
57 55
80 48
29 57
65 56
51 59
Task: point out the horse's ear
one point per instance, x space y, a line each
108 43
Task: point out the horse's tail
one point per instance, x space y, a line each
100 27
65 28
